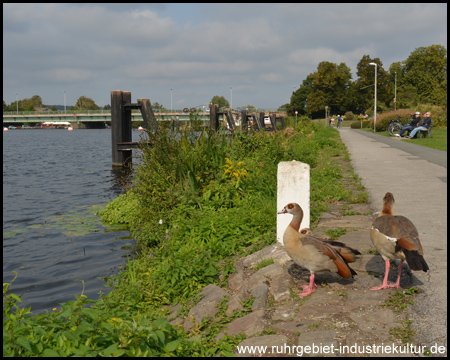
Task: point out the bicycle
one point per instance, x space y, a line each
394 127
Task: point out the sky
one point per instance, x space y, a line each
252 54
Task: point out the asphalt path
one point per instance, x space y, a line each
417 176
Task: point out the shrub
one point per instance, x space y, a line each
384 118
357 124
349 115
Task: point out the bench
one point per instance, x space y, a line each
426 132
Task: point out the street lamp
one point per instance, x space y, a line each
395 92
65 112
17 103
375 106
170 99
231 91
326 114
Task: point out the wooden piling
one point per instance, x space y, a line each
261 120
120 127
214 117
244 120
147 114
273 120
230 119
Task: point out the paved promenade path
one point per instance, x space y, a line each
417 176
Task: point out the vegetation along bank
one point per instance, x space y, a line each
195 205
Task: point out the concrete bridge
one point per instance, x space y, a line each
89 116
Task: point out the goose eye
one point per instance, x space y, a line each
290 206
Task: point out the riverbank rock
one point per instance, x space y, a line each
341 318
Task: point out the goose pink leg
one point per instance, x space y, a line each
385 284
307 290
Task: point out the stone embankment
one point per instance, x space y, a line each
340 312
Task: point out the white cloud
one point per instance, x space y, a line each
202 49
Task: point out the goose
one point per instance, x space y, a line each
310 252
348 253
396 237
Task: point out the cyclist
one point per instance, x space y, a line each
339 121
412 125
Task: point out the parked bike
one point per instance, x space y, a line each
394 127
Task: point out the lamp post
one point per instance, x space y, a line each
65 112
395 92
326 115
17 103
375 105
231 92
170 99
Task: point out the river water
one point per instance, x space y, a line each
54 181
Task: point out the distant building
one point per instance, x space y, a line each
41 109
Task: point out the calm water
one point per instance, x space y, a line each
53 182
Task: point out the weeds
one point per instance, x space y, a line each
196 201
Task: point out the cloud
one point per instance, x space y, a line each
201 49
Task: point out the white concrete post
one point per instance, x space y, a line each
293 186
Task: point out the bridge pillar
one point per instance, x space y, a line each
120 127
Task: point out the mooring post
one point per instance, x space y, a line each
120 127
214 117
147 114
230 119
244 120
273 120
261 120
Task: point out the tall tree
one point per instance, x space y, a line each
329 87
426 70
221 101
85 103
30 104
299 97
366 80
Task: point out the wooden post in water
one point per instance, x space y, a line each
120 127
273 120
230 119
261 120
214 117
244 120
147 114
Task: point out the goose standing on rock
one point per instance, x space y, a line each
310 252
396 237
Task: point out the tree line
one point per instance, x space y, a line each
420 79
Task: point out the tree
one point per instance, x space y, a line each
365 89
329 87
84 103
221 101
30 104
299 97
426 70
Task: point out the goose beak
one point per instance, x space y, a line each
284 211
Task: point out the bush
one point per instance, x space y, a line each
357 124
384 118
349 115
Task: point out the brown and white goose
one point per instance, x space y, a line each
309 252
348 253
396 237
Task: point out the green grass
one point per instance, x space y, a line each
437 141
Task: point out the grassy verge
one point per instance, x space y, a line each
437 141
195 206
